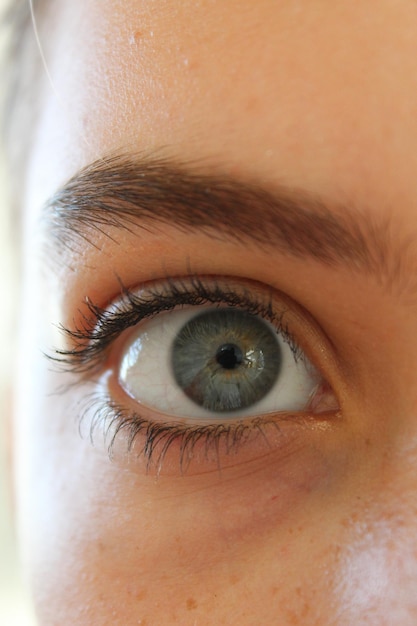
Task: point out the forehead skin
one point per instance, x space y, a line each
316 87
314 95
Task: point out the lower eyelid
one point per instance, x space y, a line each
146 447
154 445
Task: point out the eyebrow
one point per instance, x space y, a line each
130 193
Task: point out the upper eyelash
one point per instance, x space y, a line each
96 333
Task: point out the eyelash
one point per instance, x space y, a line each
97 331
92 339
159 437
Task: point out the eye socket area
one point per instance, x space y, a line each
132 373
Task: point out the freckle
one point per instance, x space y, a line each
234 580
190 64
135 37
191 604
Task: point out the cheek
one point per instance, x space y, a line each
377 565
102 540
377 575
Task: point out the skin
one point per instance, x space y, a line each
320 526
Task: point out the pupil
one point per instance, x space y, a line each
229 356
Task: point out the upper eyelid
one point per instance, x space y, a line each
96 331
86 344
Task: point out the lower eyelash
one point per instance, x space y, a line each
111 420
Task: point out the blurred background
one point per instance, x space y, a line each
14 608
14 605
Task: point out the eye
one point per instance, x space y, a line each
216 363
199 367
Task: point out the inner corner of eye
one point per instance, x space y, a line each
218 363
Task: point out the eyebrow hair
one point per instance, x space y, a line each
129 192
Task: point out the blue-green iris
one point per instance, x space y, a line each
226 359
